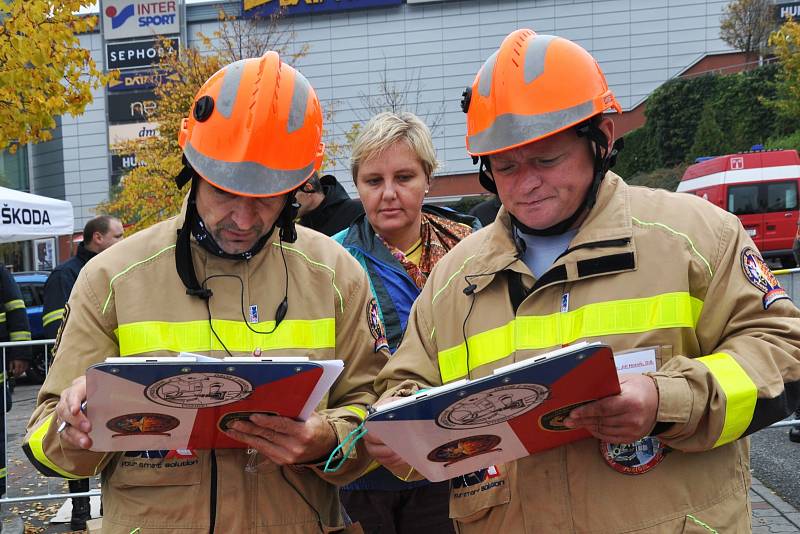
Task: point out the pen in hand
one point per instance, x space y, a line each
64 424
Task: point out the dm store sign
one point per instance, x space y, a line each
139 18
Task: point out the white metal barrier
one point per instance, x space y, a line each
54 488
790 281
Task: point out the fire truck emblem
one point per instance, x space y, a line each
492 406
198 390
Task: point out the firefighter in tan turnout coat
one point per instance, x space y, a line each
672 283
182 284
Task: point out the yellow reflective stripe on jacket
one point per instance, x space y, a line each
4 472
356 410
36 444
53 316
15 304
669 310
196 336
740 395
19 335
3 317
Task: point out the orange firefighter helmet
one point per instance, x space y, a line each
255 128
533 86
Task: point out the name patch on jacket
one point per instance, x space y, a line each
376 326
482 479
758 273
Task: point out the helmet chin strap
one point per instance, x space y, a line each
193 225
603 161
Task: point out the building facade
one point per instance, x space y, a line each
429 50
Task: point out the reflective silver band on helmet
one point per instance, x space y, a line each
510 130
230 88
297 113
246 177
534 56
485 75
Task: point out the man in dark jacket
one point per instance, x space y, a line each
13 327
98 234
325 206
486 211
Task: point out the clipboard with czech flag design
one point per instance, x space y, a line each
188 401
468 425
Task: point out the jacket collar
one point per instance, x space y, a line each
606 233
84 254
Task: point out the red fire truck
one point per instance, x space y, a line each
760 187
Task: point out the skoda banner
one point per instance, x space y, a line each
262 8
139 18
25 216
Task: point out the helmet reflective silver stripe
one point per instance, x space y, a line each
246 177
534 56
486 74
297 111
512 130
232 77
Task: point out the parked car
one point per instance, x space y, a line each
31 285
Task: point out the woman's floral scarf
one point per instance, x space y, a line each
438 236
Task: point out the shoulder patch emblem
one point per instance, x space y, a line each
758 273
376 326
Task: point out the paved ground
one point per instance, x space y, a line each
771 514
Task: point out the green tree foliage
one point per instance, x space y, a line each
43 70
746 25
703 116
709 139
786 45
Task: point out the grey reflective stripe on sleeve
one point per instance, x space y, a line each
230 88
486 74
297 113
246 177
511 130
534 56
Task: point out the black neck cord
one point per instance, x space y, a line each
470 291
280 312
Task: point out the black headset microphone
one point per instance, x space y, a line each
469 291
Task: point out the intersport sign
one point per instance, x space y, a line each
139 18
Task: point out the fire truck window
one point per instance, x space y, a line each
743 199
781 196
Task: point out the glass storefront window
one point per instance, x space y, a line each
14 169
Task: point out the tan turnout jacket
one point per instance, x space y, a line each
129 301
648 268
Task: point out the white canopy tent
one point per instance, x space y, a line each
24 216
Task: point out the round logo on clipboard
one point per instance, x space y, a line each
492 406
464 448
198 390
133 424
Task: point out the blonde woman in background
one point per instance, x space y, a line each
397 242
